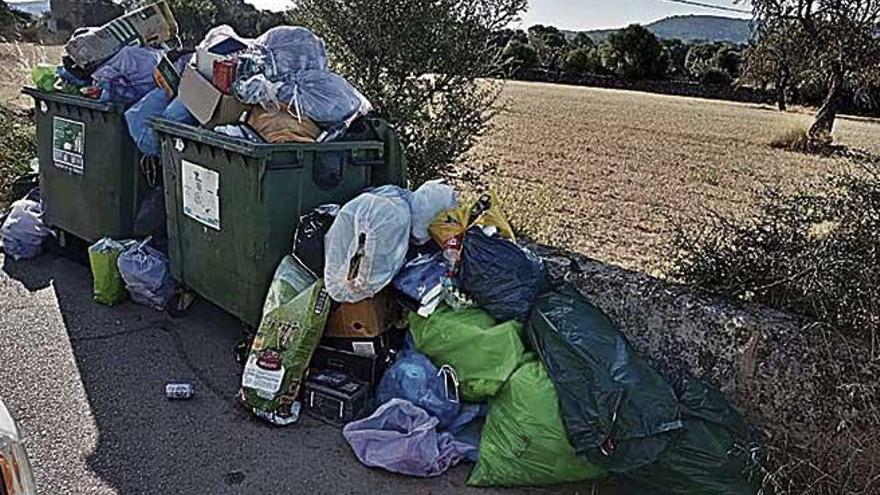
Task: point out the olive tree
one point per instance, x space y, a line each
841 38
423 65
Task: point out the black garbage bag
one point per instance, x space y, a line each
501 276
620 414
308 241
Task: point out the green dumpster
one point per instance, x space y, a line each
233 205
89 173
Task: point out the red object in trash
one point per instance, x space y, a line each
224 74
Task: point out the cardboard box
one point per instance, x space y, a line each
207 104
368 318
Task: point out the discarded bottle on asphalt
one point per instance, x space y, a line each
178 390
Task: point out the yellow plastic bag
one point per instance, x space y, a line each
455 221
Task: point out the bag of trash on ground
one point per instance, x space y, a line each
152 25
128 76
501 276
367 244
622 415
144 270
402 438
454 222
23 232
293 322
523 441
483 353
414 377
428 201
716 452
108 286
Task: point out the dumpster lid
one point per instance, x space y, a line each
251 149
78 101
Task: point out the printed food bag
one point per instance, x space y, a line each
293 322
108 286
455 221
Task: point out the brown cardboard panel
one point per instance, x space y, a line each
207 104
368 318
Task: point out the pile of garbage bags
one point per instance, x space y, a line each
500 365
276 88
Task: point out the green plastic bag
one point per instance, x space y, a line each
483 354
108 286
524 441
292 325
44 77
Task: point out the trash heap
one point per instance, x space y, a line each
272 89
417 323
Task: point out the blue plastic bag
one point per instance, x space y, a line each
420 279
23 232
323 96
128 76
502 277
145 273
415 378
139 116
402 438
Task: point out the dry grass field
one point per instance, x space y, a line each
609 173
16 62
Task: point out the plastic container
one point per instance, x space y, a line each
233 205
89 166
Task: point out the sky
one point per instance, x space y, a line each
590 14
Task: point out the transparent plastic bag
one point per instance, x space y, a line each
367 244
428 201
323 96
145 272
23 231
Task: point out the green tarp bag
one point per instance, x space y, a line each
523 441
292 324
622 415
107 285
483 354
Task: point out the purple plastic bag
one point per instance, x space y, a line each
402 438
128 76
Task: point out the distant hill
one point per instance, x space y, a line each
35 8
693 28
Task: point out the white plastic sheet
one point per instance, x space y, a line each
23 231
428 201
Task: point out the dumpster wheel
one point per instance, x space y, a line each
180 302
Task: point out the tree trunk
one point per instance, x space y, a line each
820 134
782 89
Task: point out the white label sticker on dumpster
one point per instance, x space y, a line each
68 144
201 194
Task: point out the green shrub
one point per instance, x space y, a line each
813 254
17 147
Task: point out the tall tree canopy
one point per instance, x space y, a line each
840 38
634 53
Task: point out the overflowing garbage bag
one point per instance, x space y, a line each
154 104
308 240
402 438
414 377
501 276
428 201
367 244
484 354
144 269
622 415
292 324
108 286
23 231
322 96
524 441
128 76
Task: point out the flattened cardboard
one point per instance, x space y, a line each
207 104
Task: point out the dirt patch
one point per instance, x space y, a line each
611 172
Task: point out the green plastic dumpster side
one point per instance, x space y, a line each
89 173
233 206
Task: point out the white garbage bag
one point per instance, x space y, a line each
428 201
367 244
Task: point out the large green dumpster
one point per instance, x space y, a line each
89 173
233 205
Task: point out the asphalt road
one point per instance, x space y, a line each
86 383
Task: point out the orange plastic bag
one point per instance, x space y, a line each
454 222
